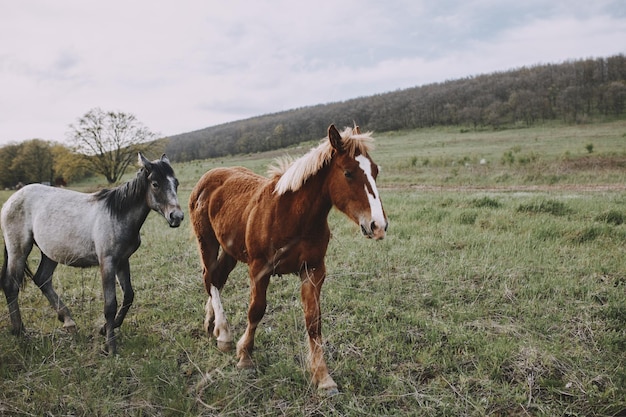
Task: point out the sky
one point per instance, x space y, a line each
190 64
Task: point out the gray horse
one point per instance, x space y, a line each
84 230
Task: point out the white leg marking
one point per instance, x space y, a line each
222 330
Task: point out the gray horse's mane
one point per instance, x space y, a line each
122 198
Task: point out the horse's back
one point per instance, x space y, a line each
221 202
60 222
23 205
230 186
42 200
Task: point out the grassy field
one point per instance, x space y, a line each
499 290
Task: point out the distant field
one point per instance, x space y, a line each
591 154
499 290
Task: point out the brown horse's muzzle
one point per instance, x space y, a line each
374 230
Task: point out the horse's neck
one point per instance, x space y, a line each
137 216
314 197
136 209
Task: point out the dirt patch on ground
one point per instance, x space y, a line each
593 163
601 188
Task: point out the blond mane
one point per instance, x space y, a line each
293 174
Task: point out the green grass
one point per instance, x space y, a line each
487 297
535 156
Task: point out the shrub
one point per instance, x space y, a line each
486 202
588 234
611 217
508 158
468 217
554 207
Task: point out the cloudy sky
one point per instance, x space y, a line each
185 65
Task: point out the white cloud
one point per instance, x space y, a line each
189 65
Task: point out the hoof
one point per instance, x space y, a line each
110 351
245 363
328 387
106 351
224 346
70 327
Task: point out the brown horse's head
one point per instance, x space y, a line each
352 182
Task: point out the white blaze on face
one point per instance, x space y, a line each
376 206
171 194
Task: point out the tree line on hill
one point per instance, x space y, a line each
107 142
572 92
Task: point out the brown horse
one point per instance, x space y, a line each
279 225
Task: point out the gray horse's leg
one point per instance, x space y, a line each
43 279
123 277
12 279
11 286
110 303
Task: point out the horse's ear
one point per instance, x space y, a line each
356 130
165 159
335 139
144 162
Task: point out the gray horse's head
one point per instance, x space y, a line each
162 187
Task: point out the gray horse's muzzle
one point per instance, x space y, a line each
175 218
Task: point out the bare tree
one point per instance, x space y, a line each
110 141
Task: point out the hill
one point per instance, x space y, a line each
571 92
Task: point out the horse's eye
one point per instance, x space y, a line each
155 184
348 174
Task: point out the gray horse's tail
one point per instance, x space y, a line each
3 274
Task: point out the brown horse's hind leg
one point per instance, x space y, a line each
216 318
259 281
215 273
219 275
312 280
43 279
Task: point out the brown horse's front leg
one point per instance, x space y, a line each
312 280
259 281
